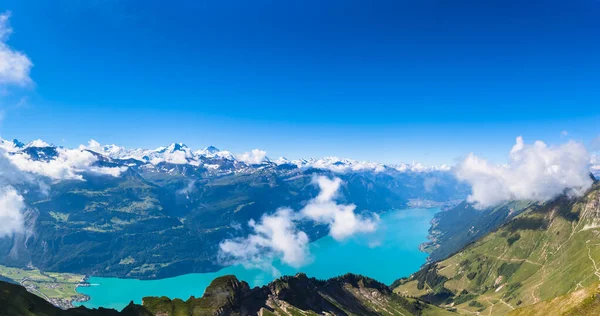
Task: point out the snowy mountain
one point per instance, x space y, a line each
113 159
98 205
62 163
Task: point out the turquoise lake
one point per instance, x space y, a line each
389 253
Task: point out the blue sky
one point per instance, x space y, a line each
388 81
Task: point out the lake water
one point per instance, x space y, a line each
389 253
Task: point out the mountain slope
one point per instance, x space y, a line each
453 229
299 295
582 302
546 251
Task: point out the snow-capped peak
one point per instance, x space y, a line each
281 161
177 146
37 143
210 151
179 153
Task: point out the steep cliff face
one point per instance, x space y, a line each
549 250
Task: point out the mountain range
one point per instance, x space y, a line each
298 295
108 211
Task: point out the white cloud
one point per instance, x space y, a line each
419 167
274 235
342 220
11 212
189 188
564 133
67 165
337 165
277 235
11 202
254 157
176 157
14 66
93 146
535 172
37 143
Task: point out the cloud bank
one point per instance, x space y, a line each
535 172
67 165
14 66
277 236
254 157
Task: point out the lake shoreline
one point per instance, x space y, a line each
395 243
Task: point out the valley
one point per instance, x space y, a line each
102 224
390 252
380 158
57 288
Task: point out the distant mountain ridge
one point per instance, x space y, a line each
179 153
91 213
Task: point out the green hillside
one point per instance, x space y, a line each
547 251
582 302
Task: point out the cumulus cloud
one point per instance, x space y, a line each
274 235
254 157
535 172
178 157
67 165
94 146
278 236
14 65
11 202
11 212
342 220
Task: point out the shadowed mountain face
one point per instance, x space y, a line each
298 295
157 220
549 250
15 300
